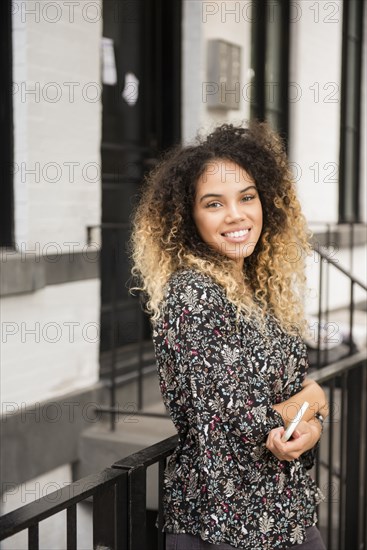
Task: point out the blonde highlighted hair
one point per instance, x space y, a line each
165 238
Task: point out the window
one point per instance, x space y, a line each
350 114
270 61
6 125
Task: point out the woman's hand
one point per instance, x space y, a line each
303 439
311 392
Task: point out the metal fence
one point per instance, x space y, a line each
119 492
341 466
144 353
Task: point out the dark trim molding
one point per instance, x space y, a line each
27 272
260 44
350 112
6 124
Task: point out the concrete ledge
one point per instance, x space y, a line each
71 429
99 447
43 436
340 236
27 272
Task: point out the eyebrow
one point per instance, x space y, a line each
218 196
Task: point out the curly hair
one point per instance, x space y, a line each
165 238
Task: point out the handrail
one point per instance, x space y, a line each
148 456
67 497
324 285
337 368
341 269
52 503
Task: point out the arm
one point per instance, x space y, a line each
304 439
311 392
309 429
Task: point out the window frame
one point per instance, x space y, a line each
262 16
351 100
6 123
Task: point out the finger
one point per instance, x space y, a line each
276 442
303 427
296 445
274 433
280 450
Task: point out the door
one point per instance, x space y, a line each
141 116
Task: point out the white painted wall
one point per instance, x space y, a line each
57 132
315 76
49 343
338 284
315 68
57 120
203 21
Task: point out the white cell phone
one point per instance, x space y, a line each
294 423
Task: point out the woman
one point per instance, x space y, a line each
214 244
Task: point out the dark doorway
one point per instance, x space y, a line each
137 125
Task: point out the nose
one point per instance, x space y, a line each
234 214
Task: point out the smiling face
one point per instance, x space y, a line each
227 210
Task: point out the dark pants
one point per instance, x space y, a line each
190 542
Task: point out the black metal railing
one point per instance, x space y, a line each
119 493
326 245
324 306
341 467
319 357
126 352
118 497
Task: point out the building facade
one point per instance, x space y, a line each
94 92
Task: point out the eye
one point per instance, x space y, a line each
247 198
214 204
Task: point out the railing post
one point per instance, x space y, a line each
319 316
363 535
161 538
104 518
351 317
353 459
113 326
33 537
71 529
121 514
110 517
137 512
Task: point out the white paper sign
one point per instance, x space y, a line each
109 73
130 92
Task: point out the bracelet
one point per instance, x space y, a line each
320 418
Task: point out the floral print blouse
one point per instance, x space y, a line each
219 379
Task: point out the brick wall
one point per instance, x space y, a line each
57 131
50 342
57 120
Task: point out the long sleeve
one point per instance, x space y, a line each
219 379
221 384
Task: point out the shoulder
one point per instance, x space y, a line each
193 289
195 282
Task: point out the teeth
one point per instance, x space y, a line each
237 233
